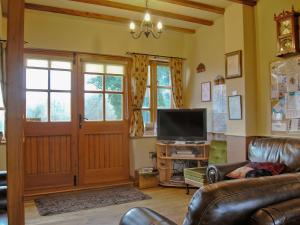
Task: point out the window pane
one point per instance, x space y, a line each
37 106
146 116
115 69
37 63
113 107
2 121
163 98
146 103
1 98
60 80
94 68
36 79
113 83
149 76
163 76
60 107
61 65
93 82
93 106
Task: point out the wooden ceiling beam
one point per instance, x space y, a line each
245 2
197 5
140 9
98 16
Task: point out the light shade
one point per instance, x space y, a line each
132 26
147 17
159 25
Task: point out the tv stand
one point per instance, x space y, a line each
167 153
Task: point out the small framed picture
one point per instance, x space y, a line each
235 107
206 92
233 64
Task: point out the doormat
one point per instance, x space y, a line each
88 200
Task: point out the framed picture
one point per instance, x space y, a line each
206 92
233 64
235 107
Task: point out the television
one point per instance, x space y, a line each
181 124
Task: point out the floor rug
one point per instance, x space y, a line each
87 200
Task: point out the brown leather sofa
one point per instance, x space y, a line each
283 150
262 201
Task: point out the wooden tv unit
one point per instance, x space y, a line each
166 157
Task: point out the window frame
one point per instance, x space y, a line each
154 89
104 74
50 58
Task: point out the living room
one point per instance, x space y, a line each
212 59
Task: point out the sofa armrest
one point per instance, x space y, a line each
144 216
287 212
216 173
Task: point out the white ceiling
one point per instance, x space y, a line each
154 4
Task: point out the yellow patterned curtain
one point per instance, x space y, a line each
138 86
177 83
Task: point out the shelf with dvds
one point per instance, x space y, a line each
172 158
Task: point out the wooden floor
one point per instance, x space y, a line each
170 202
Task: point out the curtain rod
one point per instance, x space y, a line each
158 56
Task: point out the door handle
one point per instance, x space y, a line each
81 119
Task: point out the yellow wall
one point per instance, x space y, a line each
266 51
63 32
206 46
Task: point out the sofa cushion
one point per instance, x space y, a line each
239 173
276 150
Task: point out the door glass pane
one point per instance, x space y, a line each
2 121
113 107
36 79
60 80
163 98
37 63
146 103
163 76
115 69
93 106
114 83
94 68
37 106
146 116
60 107
61 65
93 82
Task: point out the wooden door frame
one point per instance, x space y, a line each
15 103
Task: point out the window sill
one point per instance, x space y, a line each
145 136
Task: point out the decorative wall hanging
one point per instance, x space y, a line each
287 24
233 64
201 68
206 92
235 107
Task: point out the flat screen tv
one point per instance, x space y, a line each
182 124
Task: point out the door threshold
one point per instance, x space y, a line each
31 195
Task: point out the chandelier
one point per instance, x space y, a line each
146 27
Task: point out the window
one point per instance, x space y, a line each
103 91
48 90
158 92
2 113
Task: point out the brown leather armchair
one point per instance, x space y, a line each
236 202
281 150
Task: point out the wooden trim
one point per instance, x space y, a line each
245 2
197 5
140 9
15 107
98 16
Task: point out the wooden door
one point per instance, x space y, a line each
103 120
50 148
